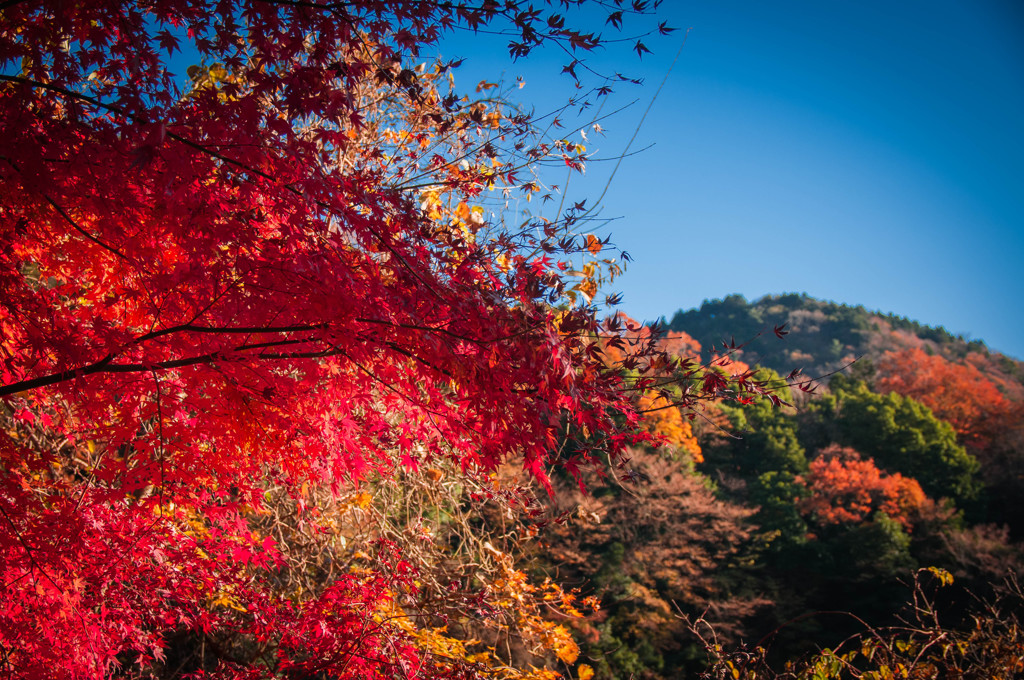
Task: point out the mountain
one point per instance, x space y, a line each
825 337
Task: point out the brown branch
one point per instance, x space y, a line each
106 364
82 230
54 378
250 330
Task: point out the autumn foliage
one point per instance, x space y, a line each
958 393
287 390
251 302
844 488
239 290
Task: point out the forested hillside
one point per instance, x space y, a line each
797 526
825 336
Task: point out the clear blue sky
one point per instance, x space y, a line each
866 152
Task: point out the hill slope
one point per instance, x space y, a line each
825 336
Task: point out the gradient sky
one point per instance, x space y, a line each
864 152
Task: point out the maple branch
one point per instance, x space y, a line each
229 330
28 550
82 231
642 119
251 330
54 378
74 225
407 353
163 439
105 365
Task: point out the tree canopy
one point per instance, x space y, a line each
245 302
904 436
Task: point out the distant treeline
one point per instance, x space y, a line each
823 335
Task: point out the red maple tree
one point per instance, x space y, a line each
281 273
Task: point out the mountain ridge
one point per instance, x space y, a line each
824 337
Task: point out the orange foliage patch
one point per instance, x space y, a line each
680 344
847 489
957 393
730 364
665 420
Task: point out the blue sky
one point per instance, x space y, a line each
865 152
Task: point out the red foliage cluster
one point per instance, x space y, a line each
958 393
276 274
846 489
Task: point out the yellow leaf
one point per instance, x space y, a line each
588 288
945 578
566 648
502 261
585 672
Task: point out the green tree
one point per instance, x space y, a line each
762 438
904 436
776 495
